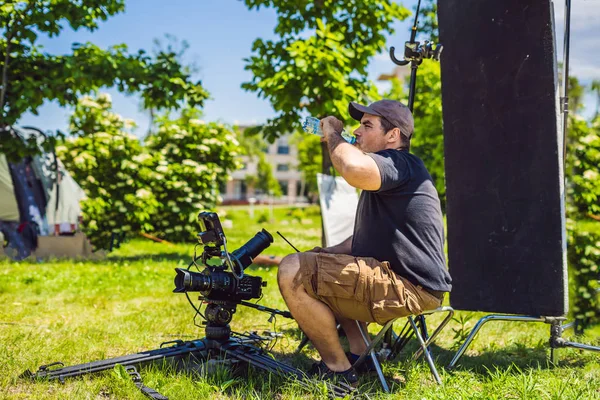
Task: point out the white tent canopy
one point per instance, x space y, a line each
69 196
59 193
9 209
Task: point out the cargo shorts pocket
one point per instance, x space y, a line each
390 298
339 276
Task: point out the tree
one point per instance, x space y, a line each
309 161
30 77
428 23
318 73
160 187
195 159
596 89
265 180
583 212
582 160
113 169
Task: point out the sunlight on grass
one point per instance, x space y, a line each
77 312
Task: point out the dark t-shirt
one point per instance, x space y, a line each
402 221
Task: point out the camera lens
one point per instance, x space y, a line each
253 248
188 281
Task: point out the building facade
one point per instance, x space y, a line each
283 156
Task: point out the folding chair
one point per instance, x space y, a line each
417 328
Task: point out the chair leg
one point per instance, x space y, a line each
416 330
371 352
441 326
425 351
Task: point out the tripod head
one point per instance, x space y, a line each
414 52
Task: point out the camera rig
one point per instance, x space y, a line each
222 290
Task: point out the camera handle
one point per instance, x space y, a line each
230 263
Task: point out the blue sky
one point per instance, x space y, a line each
220 34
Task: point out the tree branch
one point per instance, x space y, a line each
9 35
5 69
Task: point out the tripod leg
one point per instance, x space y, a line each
184 349
258 359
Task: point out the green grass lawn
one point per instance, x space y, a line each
77 312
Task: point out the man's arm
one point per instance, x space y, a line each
343 248
357 168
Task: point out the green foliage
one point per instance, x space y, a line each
265 179
310 160
595 87
297 214
112 168
583 202
583 159
576 93
428 23
251 145
30 77
195 158
428 140
263 217
158 188
319 63
584 260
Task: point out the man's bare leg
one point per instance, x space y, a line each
357 344
314 317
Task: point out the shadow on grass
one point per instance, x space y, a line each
514 355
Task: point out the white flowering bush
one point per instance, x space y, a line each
193 159
113 169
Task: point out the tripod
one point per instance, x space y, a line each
220 346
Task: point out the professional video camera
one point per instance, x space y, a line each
222 290
214 283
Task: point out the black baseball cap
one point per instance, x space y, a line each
395 112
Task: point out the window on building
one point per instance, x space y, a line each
283 167
244 166
283 149
284 187
239 189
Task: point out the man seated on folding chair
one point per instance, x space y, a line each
393 265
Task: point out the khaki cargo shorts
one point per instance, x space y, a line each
361 288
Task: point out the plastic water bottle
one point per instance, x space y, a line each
312 126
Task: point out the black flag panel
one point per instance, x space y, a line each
503 155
